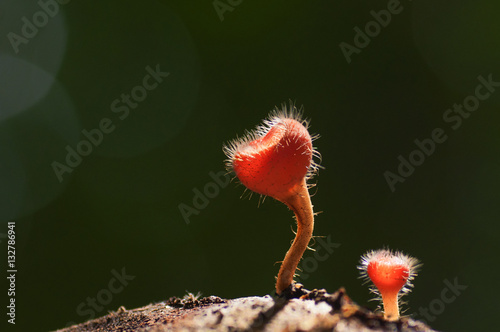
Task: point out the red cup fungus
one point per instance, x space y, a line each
391 274
276 159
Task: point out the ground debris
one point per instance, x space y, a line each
190 301
297 309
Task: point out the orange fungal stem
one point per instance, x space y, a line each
300 203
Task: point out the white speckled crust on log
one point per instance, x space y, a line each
314 310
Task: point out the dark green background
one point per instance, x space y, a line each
119 207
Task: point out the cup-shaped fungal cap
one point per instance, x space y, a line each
389 271
388 274
275 157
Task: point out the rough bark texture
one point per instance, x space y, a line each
297 310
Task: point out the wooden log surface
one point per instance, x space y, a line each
297 310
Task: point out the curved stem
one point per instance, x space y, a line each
300 203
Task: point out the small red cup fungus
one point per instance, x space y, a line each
391 274
276 159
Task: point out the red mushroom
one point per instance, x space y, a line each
276 160
391 274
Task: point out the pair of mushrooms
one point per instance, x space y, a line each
276 159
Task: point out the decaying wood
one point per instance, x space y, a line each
297 310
